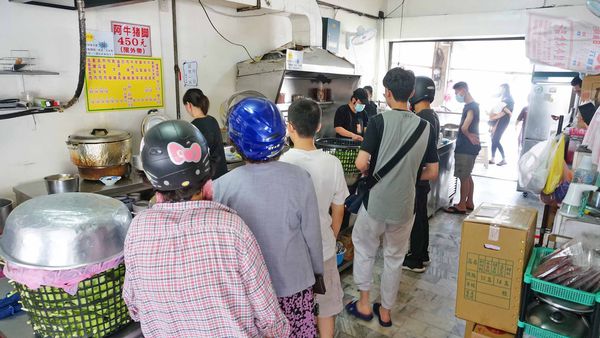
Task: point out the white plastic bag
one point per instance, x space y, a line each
533 167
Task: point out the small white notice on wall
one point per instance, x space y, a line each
99 43
294 59
190 73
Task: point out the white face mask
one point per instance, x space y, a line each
359 107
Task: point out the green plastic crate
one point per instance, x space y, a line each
345 150
555 290
538 332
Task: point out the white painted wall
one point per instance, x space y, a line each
413 8
371 7
31 149
364 56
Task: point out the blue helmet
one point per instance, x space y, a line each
257 129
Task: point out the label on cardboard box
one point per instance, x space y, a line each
494 233
482 331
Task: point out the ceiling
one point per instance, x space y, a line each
414 8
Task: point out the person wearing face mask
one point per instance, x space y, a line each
350 119
467 148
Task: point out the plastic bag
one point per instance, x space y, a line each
533 167
555 166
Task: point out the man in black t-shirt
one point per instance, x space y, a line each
467 149
371 107
350 119
417 257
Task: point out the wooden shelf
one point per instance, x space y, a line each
27 72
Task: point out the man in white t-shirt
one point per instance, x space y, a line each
304 120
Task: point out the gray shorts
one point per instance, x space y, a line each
463 165
330 304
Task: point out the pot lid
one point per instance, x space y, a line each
99 135
565 304
153 118
562 322
65 231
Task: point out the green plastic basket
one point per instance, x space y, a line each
538 332
555 290
345 150
96 310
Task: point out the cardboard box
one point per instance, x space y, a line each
474 330
469 326
482 331
496 243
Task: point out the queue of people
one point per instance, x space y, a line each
253 253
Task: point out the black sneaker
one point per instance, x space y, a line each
413 265
426 261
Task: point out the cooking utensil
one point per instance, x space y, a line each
450 131
140 205
562 304
550 318
6 207
152 118
102 150
60 183
65 231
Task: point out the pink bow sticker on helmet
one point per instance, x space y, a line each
179 154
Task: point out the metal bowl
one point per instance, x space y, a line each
60 183
65 231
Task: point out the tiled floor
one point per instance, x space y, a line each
425 305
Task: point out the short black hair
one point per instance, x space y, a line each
576 81
369 89
305 115
183 194
197 98
361 95
400 82
461 85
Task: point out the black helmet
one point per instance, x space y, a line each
424 90
174 155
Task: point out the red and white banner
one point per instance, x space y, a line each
564 43
131 39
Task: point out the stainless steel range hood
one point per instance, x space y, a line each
320 69
71 4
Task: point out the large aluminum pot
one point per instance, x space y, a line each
65 231
99 148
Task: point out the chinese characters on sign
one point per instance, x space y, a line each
489 280
99 43
123 83
131 39
564 43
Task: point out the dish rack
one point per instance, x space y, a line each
532 284
18 60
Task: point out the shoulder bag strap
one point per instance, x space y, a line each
406 147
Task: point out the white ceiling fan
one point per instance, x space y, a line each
361 36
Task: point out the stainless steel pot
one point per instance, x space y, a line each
100 149
56 184
550 318
6 207
450 131
65 231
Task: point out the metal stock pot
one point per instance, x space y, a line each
100 152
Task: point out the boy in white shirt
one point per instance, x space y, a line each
304 121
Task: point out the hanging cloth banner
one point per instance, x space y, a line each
564 43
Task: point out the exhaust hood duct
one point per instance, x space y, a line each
305 16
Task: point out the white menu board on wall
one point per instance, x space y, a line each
564 43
